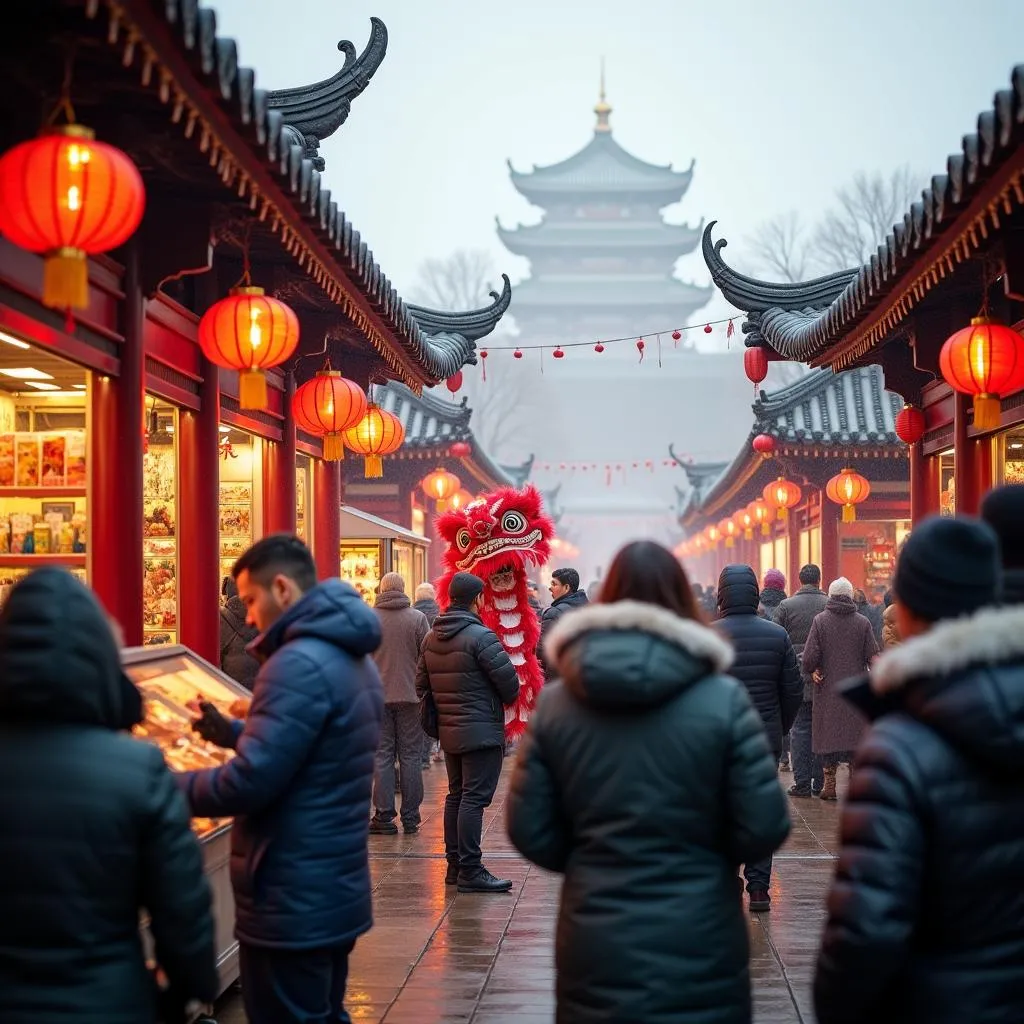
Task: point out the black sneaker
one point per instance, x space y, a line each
410 829
482 880
800 791
379 827
451 876
760 901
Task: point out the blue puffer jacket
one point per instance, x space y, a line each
299 787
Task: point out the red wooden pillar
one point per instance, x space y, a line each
199 520
279 512
327 518
964 473
982 455
793 569
919 504
115 470
829 542
932 484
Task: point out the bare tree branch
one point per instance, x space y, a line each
780 246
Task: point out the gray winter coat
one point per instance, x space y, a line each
403 630
795 615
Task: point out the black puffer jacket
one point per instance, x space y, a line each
471 677
94 828
926 914
550 616
235 637
764 659
645 778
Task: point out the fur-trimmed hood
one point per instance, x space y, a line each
632 655
965 679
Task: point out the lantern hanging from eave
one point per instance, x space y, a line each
458 501
377 434
761 514
326 406
727 528
441 485
910 424
249 331
782 495
986 361
713 536
848 489
68 197
454 382
764 445
755 365
460 450
746 522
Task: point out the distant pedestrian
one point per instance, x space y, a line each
469 676
533 598
299 785
841 644
1003 510
872 612
890 627
403 630
765 663
645 779
426 602
235 637
773 593
926 913
565 596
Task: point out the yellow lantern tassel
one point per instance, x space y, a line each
849 514
987 410
748 534
66 279
729 543
374 467
334 448
783 512
252 389
765 529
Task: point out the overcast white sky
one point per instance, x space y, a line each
779 102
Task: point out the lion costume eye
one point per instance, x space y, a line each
463 539
513 522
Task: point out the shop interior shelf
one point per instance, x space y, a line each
42 492
29 561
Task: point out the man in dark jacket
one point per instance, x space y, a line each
565 595
766 665
926 913
235 636
93 830
299 785
403 630
469 676
1003 510
795 615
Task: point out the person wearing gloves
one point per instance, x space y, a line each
299 785
926 913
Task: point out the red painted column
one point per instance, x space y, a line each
829 542
982 455
932 484
279 514
793 569
327 518
199 520
964 475
919 505
115 470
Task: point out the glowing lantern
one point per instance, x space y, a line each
728 529
782 495
454 382
459 500
910 424
460 450
762 514
746 521
764 445
848 489
985 360
249 331
377 434
327 406
755 365
68 197
713 536
441 486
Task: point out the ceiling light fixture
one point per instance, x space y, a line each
79 387
9 339
224 430
1017 444
42 385
25 373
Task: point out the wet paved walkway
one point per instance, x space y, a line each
434 957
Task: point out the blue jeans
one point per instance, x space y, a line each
402 737
806 767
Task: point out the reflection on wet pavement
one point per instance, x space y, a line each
435 956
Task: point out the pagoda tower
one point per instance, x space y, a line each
602 258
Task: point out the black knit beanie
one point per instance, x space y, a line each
464 589
948 568
1003 510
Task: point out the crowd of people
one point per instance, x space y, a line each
648 777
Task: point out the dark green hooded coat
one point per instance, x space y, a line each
646 779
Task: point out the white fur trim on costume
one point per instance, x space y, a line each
647 618
989 637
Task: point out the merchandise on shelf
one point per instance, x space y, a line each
360 566
159 545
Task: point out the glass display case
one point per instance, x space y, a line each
303 491
160 525
173 681
361 566
240 454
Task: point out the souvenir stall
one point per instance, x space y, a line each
371 546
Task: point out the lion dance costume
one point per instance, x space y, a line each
495 538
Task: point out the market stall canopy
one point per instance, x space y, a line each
359 525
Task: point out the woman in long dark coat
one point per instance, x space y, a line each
840 645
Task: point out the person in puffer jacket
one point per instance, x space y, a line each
469 676
926 913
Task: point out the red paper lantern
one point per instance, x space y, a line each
764 445
755 365
910 424
676 335
558 353
249 331
440 485
598 348
848 489
69 197
517 354
746 522
707 328
459 500
640 348
782 495
454 382
460 450
713 535
327 406
760 512
985 360
377 434
728 529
